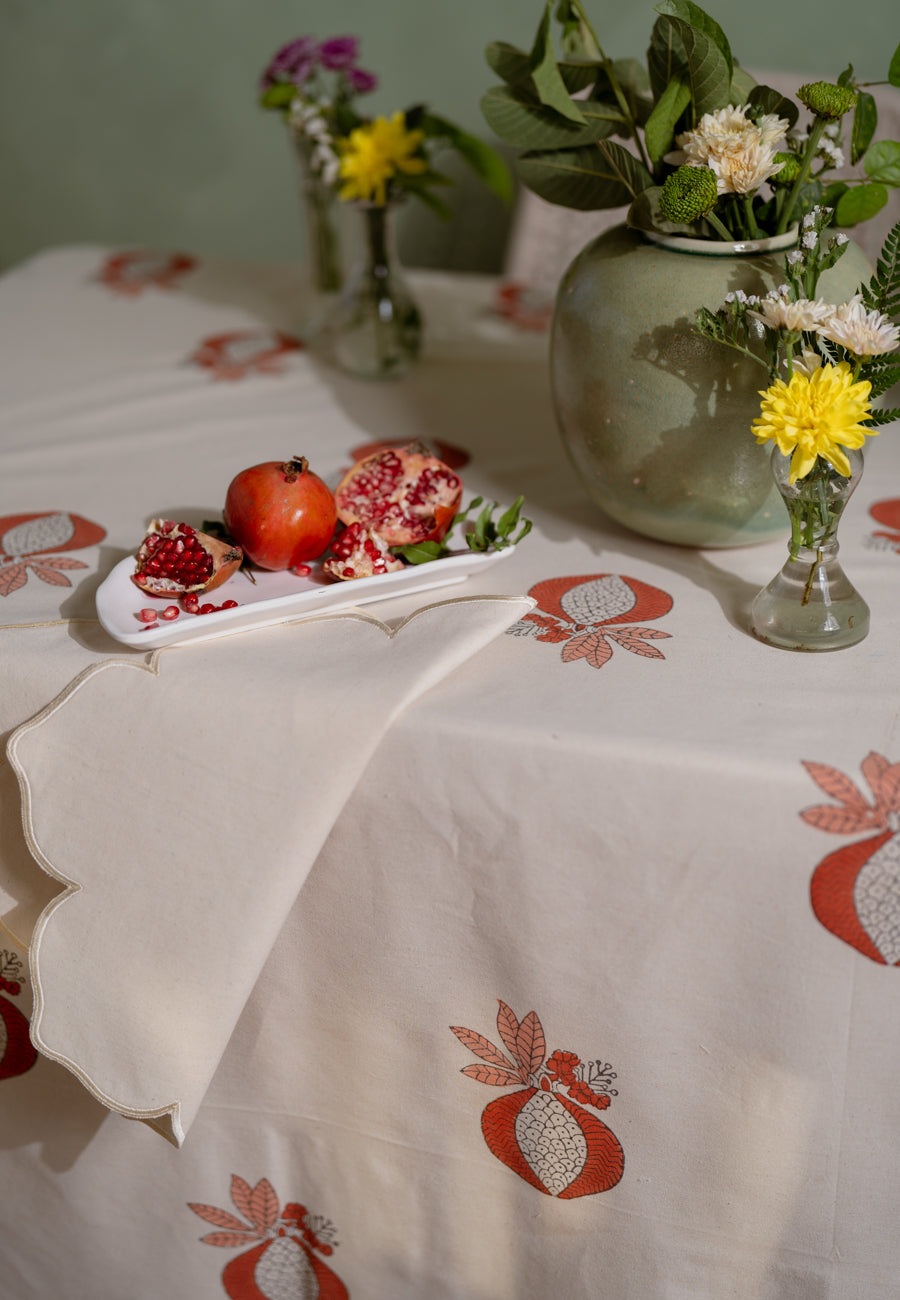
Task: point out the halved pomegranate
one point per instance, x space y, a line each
360 553
175 558
402 494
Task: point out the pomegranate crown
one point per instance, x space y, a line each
293 468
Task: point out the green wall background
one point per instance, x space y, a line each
134 122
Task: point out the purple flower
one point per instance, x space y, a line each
338 52
293 62
361 81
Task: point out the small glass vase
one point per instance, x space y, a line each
322 219
375 332
811 604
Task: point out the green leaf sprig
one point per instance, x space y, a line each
484 535
882 294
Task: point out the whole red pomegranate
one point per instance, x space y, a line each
174 559
280 513
402 494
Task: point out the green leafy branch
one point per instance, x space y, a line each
882 293
483 534
559 112
487 165
729 325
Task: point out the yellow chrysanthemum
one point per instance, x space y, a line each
815 415
373 154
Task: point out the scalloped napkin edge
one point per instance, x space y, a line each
148 1049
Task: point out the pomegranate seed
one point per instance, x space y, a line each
348 572
170 612
166 525
207 609
191 603
302 570
147 616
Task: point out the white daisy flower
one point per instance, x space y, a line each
781 313
864 333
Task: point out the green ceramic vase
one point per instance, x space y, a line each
655 418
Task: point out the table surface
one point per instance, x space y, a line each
508 947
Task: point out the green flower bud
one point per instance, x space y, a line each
688 193
826 100
789 171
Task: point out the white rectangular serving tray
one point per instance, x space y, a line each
272 598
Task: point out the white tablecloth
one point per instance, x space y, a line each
590 990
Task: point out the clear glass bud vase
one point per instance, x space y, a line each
376 328
811 604
324 262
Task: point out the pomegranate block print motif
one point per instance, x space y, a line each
888 514
245 352
527 308
588 616
17 1052
284 1263
132 272
855 891
25 541
454 457
542 1130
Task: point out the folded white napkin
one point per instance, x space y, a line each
183 803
